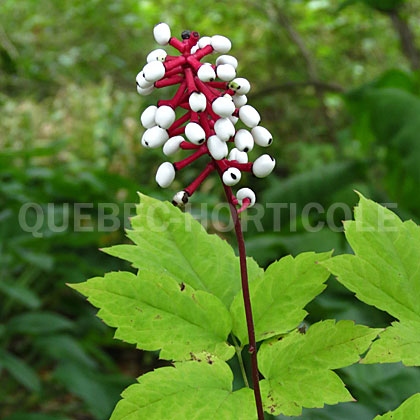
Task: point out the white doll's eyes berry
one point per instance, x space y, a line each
197 102
263 166
262 136
249 116
218 148
165 116
162 33
165 174
227 59
225 72
200 115
195 133
224 129
172 145
148 117
221 44
154 71
223 106
156 55
206 73
240 85
244 193
244 140
231 176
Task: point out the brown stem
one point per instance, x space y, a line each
247 302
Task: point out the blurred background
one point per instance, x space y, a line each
338 85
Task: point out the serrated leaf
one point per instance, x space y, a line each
385 273
154 312
398 343
169 240
408 410
193 390
298 368
279 296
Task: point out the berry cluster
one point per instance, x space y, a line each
212 109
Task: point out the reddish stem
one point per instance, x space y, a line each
176 43
208 49
186 145
174 80
247 302
190 159
199 180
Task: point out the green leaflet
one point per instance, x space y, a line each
408 410
298 368
384 272
279 296
169 240
154 312
195 390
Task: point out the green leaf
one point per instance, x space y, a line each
278 297
154 312
21 294
38 323
196 390
385 273
398 343
408 410
174 242
19 370
298 368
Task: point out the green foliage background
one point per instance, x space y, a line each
337 84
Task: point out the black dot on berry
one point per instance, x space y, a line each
271 157
270 141
146 143
246 149
200 141
233 176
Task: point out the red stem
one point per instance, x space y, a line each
199 180
247 302
190 159
208 49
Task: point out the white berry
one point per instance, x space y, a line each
165 174
244 140
231 176
172 145
240 157
154 71
221 44
227 59
240 85
239 100
154 137
197 101
162 33
165 116
217 147
262 136
206 73
148 117
225 72
249 116
195 133
156 55
263 166
224 129
223 106
246 193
